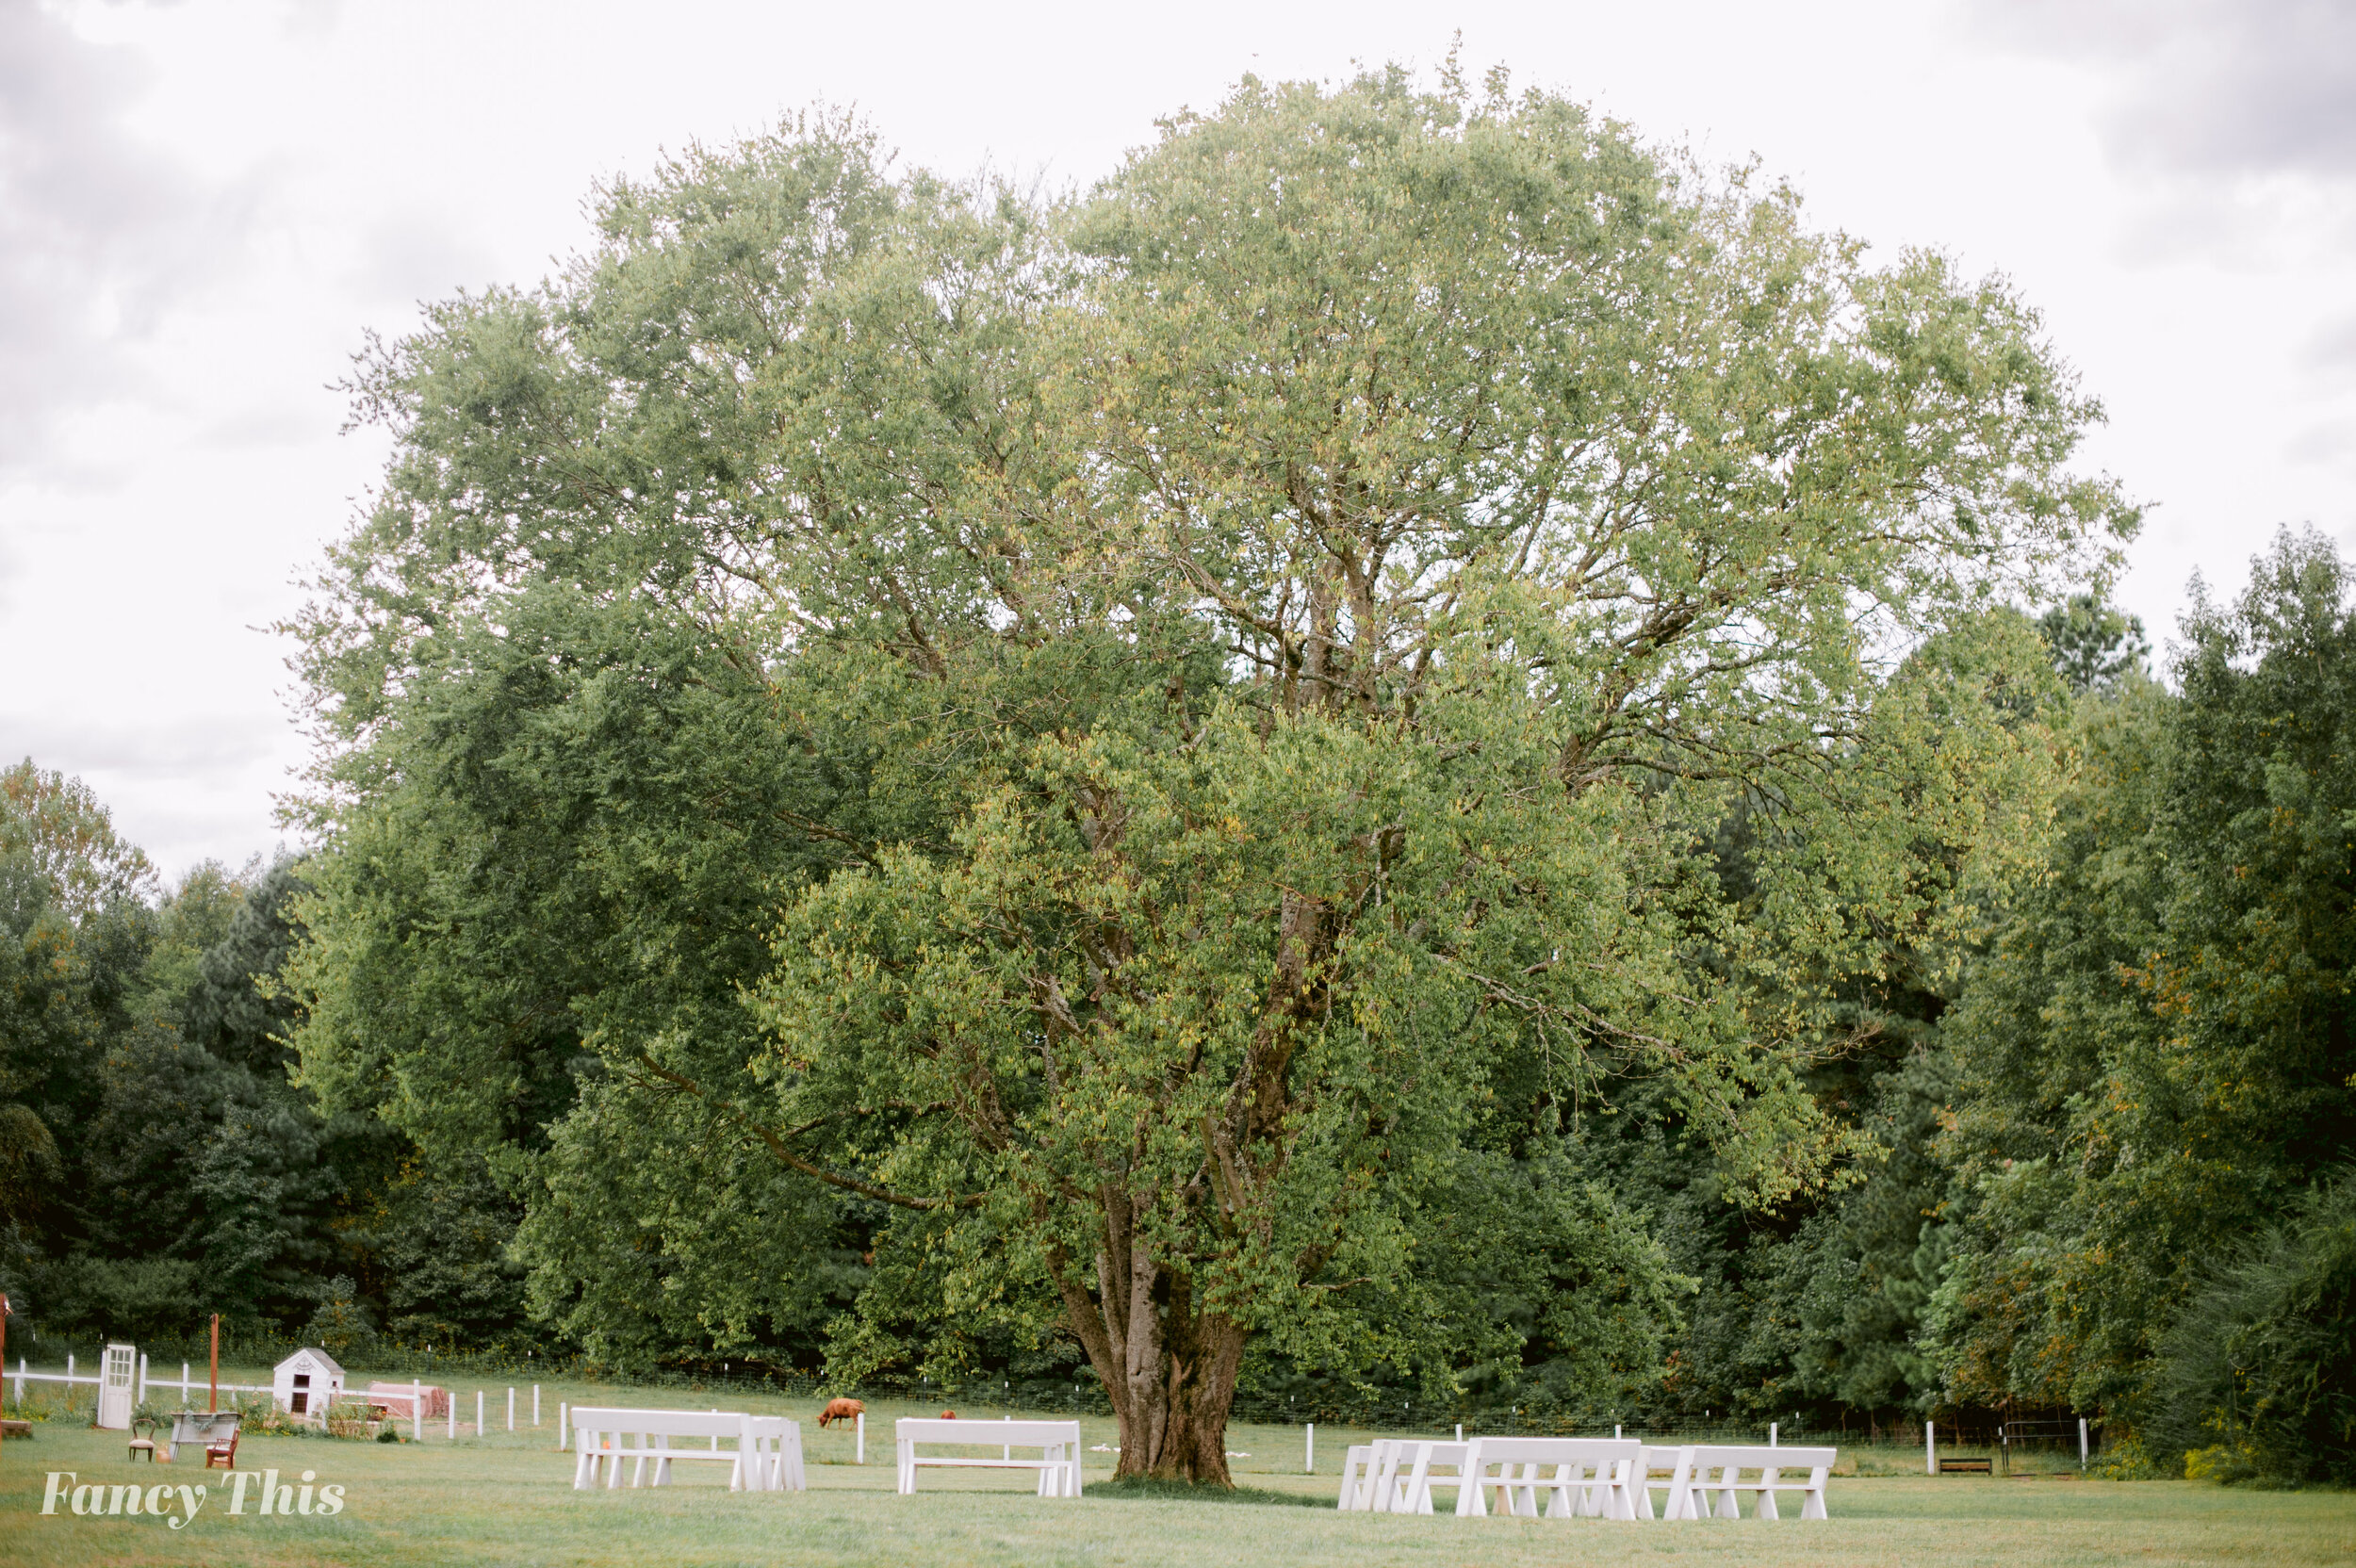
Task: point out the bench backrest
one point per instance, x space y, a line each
1554 1450
203 1425
1021 1434
1765 1457
659 1423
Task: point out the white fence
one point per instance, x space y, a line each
188 1386
184 1384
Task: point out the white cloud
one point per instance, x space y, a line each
100 232
2207 89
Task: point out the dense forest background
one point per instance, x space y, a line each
1506 774
2108 1174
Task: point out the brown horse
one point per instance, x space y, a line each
841 1409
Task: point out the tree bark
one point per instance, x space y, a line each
1168 1369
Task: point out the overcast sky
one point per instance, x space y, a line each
204 206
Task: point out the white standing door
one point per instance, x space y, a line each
114 1387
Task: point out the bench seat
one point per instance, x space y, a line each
1698 1472
767 1456
1058 1443
1591 1475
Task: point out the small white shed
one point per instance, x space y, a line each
307 1382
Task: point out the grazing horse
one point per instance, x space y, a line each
841 1409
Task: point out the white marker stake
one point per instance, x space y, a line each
536 1405
1930 1448
416 1411
1006 1451
478 1413
1309 1449
453 1409
2082 1442
862 1424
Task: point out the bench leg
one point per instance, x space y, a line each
1767 1495
1812 1506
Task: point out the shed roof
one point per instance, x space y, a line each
326 1361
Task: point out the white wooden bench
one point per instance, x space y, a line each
1592 1475
1698 1472
767 1456
1058 1443
1406 1470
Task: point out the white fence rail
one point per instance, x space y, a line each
184 1384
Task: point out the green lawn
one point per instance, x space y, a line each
500 1500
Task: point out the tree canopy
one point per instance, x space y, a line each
1149 762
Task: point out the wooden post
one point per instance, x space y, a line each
212 1400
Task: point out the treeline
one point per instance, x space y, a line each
158 1160
1391 757
2108 1170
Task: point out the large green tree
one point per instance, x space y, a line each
1251 663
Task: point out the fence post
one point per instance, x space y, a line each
451 1407
1309 1450
417 1410
1771 1434
142 1393
20 1382
2082 1442
860 1425
1615 1433
184 1383
1930 1448
535 1406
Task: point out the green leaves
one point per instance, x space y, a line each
1193 716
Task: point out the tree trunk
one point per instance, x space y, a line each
1168 1369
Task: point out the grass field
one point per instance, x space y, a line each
500 1499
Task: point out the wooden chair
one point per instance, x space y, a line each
223 1454
143 1442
